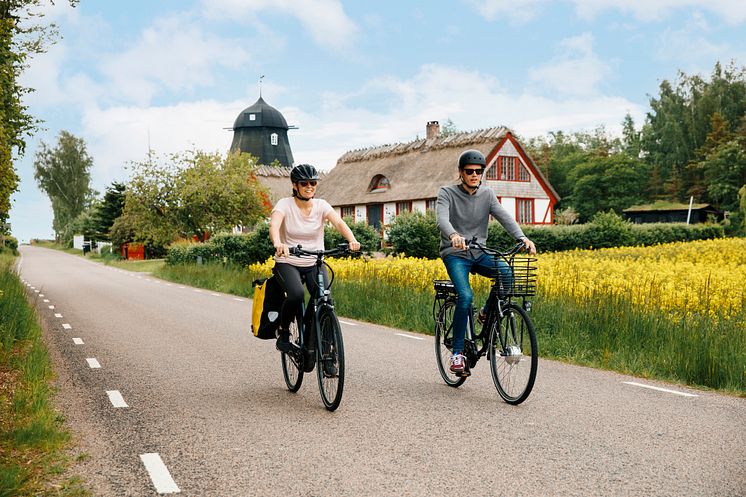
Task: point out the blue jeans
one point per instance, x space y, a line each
458 270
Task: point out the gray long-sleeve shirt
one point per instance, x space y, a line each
458 212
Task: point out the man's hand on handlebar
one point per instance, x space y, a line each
529 246
458 242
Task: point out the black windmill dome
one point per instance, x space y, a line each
262 131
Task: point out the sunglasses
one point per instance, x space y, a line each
478 172
307 183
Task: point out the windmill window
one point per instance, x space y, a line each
379 183
273 138
252 117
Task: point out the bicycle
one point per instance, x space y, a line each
318 325
507 334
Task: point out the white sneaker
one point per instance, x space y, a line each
458 364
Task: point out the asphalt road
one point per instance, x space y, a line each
207 401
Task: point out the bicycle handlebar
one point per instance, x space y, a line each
299 251
514 250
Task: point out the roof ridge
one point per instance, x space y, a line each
451 140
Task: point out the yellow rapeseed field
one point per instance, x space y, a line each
703 277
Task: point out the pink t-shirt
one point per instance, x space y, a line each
297 229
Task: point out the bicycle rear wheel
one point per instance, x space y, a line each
444 343
292 361
513 355
330 357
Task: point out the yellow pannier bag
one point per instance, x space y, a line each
265 313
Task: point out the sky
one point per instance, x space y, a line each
172 75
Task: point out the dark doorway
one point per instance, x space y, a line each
375 215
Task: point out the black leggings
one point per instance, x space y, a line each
291 279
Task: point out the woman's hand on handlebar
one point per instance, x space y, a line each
281 250
354 245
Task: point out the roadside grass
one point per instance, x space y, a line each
32 436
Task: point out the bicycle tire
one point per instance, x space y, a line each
443 341
330 360
514 355
292 362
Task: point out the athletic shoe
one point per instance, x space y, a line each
458 364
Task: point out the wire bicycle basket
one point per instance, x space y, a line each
520 279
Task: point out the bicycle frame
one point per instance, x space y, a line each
310 313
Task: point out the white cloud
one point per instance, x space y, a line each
690 46
325 20
471 99
515 10
575 71
732 11
173 54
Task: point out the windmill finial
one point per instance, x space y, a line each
260 85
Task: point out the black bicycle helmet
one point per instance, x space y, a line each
473 157
304 172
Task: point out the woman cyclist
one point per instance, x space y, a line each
299 220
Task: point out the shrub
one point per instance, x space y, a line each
607 229
368 236
11 243
242 249
415 234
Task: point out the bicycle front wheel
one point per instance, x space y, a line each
330 358
444 343
513 355
292 361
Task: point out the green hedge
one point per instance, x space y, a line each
369 238
242 250
417 235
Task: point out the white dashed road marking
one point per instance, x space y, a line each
159 474
46 301
116 398
36 291
409 336
684 394
78 341
348 323
51 307
236 298
57 315
42 295
93 363
67 326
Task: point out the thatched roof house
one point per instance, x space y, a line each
377 183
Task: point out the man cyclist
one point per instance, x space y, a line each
463 211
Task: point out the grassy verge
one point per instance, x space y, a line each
32 435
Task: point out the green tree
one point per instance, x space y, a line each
21 37
680 120
192 194
607 183
64 174
630 137
217 193
106 211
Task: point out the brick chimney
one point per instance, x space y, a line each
432 130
